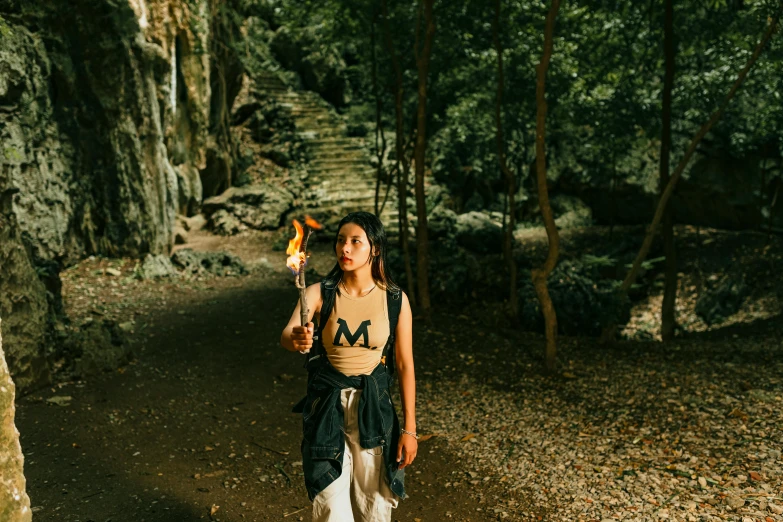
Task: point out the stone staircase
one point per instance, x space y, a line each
340 178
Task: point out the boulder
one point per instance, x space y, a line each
14 502
477 232
155 267
180 235
441 222
191 262
196 223
98 346
261 206
721 300
225 224
571 212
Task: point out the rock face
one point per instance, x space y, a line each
23 302
112 120
14 502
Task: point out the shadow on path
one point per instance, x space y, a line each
199 426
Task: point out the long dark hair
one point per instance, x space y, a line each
376 235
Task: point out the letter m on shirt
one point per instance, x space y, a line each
343 330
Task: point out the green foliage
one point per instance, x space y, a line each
604 85
5 29
584 301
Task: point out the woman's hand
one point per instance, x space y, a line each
406 450
302 337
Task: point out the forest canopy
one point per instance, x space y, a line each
603 88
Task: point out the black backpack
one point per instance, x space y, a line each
317 356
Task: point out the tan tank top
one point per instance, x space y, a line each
356 332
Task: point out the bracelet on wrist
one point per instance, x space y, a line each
411 433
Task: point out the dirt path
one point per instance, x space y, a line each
200 423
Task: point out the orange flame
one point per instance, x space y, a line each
315 225
296 259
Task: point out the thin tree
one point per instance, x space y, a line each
381 175
402 171
511 187
668 319
610 330
541 274
422 63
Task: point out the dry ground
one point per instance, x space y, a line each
198 427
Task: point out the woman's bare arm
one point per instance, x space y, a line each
298 338
407 377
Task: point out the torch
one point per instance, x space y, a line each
297 259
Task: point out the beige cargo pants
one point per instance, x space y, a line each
360 494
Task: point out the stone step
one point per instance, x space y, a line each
273 89
341 178
315 119
325 172
321 154
313 135
366 187
337 152
309 123
346 182
340 162
271 84
322 125
312 112
345 185
388 218
364 200
317 154
332 141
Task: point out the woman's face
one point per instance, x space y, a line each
353 249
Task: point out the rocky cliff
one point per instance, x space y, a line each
113 118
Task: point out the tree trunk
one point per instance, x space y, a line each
609 331
422 63
380 137
14 502
668 320
511 188
402 173
541 274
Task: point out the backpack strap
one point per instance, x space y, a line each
393 305
317 356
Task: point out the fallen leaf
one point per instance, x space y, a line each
422 438
213 510
467 437
755 476
60 400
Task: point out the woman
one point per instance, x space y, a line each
355 473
